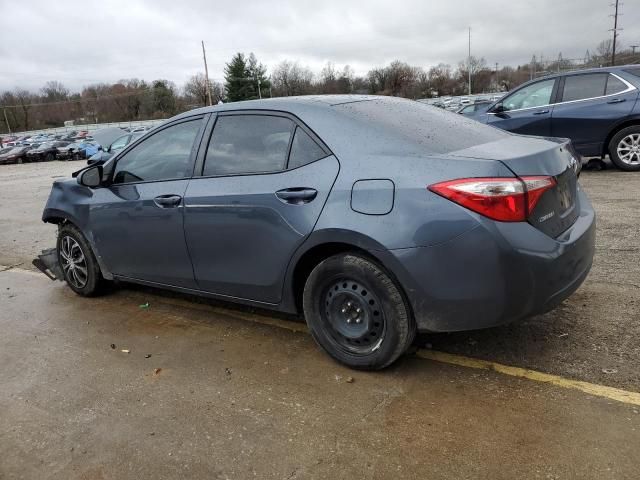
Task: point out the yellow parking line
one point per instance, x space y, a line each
619 395
611 393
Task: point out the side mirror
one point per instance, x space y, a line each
91 177
498 108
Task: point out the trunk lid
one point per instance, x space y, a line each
558 207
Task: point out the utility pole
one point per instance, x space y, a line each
615 32
633 49
469 65
5 119
259 89
206 74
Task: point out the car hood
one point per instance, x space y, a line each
106 136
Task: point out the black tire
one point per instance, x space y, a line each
92 283
49 157
617 141
356 312
76 156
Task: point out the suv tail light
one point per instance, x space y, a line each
502 199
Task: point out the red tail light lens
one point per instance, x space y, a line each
502 199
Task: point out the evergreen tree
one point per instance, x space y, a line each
235 79
257 75
242 76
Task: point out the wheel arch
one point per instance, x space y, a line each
324 244
629 122
62 217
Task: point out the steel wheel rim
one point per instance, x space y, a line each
353 316
629 149
74 263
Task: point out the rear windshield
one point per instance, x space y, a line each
435 130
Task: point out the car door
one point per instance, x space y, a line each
590 105
265 179
527 110
137 221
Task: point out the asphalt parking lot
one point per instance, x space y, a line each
209 390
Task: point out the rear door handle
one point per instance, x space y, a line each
617 100
168 201
297 196
541 112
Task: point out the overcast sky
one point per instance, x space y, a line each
84 42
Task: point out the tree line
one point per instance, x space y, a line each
245 78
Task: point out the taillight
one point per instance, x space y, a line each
503 199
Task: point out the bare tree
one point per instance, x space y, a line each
54 91
289 78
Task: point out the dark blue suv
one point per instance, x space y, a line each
597 109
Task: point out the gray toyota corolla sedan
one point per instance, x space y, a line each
375 217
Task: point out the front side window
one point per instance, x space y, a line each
581 87
120 143
534 95
163 156
248 144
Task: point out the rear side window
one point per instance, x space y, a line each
614 85
163 156
304 150
580 87
248 144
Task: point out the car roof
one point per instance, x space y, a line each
360 125
617 68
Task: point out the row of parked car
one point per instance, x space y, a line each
76 145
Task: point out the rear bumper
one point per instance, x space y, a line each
495 273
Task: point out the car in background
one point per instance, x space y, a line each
15 155
77 151
375 217
597 109
476 107
110 150
46 152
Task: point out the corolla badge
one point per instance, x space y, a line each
546 217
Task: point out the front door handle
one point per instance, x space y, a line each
541 112
168 201
297 196
617 100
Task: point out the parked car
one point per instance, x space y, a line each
46 152
476 107
15 155
376 217
109 151
597 109
77 151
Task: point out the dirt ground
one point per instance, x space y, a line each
224 394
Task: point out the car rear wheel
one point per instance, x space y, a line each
79 265
356 313
624 149
49 157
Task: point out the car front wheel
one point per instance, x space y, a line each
79 265
624 149
356 313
